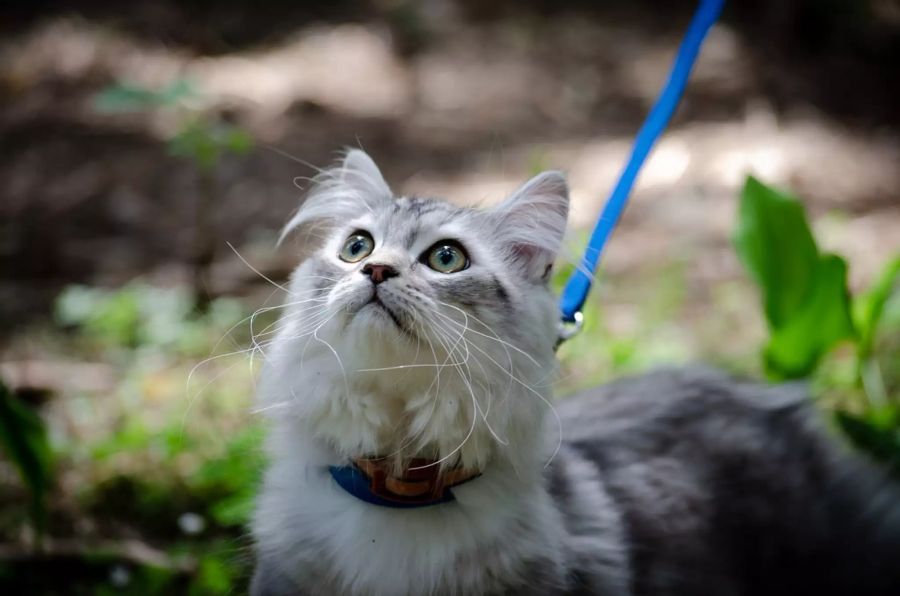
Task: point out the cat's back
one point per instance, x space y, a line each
731 487
670 409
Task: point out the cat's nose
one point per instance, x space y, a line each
379 273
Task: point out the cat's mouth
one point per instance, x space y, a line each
376 303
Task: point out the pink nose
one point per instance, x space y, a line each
379 273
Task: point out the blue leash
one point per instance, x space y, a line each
578 286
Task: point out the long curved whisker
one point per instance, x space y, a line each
468 383
255 270
494 335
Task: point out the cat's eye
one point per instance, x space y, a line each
358 246
446 256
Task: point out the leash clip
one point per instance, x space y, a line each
568 329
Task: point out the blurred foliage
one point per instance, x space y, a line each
876 431
142 316
24 440
206 142
149 330
124 97
805 295
810 311
200 136
869 310
179 464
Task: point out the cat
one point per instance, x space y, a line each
415 447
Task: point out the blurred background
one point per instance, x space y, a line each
149 155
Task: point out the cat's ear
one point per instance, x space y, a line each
353 186
531 223
359 173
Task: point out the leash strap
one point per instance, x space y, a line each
579 284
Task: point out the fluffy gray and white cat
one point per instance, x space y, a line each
417 331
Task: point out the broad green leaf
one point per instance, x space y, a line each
819 323
24 440
805 295
869 306
774 242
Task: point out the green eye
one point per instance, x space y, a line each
357 247
447 257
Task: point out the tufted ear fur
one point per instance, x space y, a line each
531 223
354 185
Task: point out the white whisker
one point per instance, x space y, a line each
255 270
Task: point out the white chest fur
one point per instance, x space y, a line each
330 542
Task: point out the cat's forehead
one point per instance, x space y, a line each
407 218
417 209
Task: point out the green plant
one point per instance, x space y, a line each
806 300
877 431
810 310
201 136
138 315
868 313
804 292
24 439
232 479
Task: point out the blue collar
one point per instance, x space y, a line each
421 486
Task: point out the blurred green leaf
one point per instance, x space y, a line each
206 142
176 92
112 317
805 295
125 97
234 475
236 510
24 439
774 242
876 431
140 315
869 306
213 577
194 141
795 347
237 140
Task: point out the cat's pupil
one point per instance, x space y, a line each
356 246
446 256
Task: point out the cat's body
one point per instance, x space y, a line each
676 483
729 488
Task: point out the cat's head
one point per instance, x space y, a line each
415 327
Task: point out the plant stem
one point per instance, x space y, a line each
204 237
